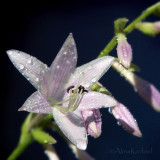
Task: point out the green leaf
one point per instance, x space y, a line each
119 25
42 137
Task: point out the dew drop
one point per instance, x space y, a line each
45 141
87 85
94 80
118 123
110 110
21 66
37 79
58 67
65 53
68 62
29 61
89 67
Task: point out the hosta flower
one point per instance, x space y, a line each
64 90
124 50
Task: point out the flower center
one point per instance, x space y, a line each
75 97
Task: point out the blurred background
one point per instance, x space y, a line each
40 29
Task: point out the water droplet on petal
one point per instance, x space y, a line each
65 53
110 110
29 61
94 80
87 85
89 67
45 141
21 66
58 67
68 62
37 79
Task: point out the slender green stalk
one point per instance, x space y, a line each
20 147
110 46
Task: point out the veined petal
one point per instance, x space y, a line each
63 65
72 126
93 71
92 119
31 68
36 103
96 100
126 119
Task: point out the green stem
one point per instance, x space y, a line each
21 147
110 46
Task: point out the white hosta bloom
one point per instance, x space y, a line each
63 89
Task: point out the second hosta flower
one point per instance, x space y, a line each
64 91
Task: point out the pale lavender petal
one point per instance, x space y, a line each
92 119
72 126
63 65
92 71
96 100
36 103
148 92
126 119
79 154
124 53
34 70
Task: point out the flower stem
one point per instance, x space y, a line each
20 147
110 46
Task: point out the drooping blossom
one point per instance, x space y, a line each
64 90
124 50
145 89
126 119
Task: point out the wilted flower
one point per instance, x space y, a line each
145 89
126 119
124 50
151 29
64 90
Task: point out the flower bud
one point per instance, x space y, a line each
145 89
124 51
126 119
148 28
92 119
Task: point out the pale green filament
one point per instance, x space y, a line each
74 99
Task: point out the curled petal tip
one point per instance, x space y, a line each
126 119
93 122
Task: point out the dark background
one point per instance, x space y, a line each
40 30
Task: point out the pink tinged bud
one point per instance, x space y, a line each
93 122
145 89
157 26
148 92
126 119
124 51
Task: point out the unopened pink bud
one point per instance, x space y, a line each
148 92
126 119
157 26
124 51
92 119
